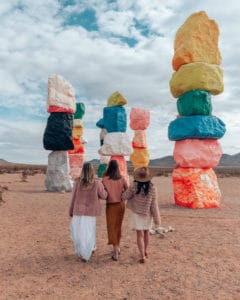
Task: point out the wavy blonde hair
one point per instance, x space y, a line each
87 176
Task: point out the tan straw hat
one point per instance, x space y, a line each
142 174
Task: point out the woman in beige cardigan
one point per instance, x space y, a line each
142 200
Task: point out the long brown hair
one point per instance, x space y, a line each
87 176
113 170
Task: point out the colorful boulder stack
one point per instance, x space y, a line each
139 122
103 159
116 142
76 155
61 105
196 131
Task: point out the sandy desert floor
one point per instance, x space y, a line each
199 260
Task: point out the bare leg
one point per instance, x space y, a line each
146 241
115 252
118 249
140 243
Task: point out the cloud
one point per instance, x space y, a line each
21 141
101 47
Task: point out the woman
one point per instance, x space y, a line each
84 208
142 200
115 184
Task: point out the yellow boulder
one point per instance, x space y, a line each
140 158
197 41
77 132
116 99
197 76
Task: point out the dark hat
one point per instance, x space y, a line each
142 174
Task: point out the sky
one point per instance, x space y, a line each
101 47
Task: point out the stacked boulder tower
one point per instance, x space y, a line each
196 130
116 142
77 155
61 104
139 122
103 159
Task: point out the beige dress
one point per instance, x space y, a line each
140 222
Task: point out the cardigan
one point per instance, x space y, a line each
114 188
86 200
143 204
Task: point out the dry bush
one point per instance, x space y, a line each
2 189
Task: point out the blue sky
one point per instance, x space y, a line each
101 47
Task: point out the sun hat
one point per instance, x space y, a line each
142 174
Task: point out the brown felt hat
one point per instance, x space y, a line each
142 174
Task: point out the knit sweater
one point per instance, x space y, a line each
86 200
143 204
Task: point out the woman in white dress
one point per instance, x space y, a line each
85 207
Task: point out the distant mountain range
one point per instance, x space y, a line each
167 161
4 162
226 161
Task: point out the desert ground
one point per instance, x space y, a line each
199 260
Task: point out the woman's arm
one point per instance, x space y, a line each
102 193
125 184
155 209
73 199
129 193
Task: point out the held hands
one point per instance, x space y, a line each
161 230
164 229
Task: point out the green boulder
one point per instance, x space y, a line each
80 110
194 102
101 170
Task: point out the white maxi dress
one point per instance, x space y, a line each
83 235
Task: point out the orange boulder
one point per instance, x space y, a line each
196 188
196 41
